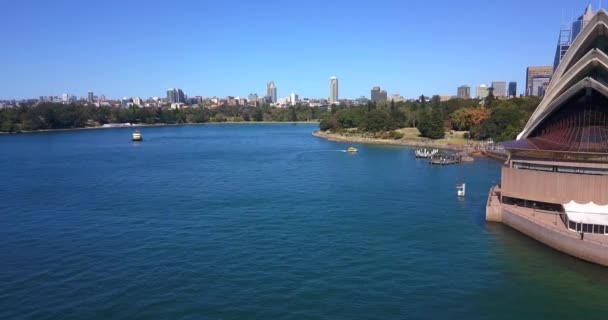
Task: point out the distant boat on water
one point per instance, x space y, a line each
136 136
352 149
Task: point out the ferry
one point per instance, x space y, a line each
352 149
136 136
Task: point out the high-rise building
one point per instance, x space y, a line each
271 91
171 95
293 99
581 22
499 89
563 44
482 91
252 99
513 89
90 97
333 90
544 72
464 92
175 96
378 94
396 97
65 98
568 34
539 86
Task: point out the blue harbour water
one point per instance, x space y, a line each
263 222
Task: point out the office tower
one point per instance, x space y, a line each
539 86
90 97
333 90
181 97
396 97
500 89
464 92
512 89
482 91
563 44
378 94
293 98
581 22
171 95
568 34
544 72
175 96
271 91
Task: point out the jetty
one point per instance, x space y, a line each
444 158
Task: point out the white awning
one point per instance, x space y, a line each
589 213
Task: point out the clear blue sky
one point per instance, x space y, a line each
228 47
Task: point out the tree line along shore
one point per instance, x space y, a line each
57 116
423 121
432 121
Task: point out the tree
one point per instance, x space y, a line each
435 101
431 125
490 98
377 120
294 115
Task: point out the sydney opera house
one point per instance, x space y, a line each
554 185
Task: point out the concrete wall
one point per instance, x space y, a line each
554 187
493 207
569 244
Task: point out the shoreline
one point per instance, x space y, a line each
146 125
427 144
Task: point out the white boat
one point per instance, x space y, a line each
461 189
136 136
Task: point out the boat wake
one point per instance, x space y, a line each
319 151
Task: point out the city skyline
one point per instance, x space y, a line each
200 66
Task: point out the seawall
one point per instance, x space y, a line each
555 236
364 140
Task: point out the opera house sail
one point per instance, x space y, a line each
554 185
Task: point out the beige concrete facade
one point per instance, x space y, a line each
548 229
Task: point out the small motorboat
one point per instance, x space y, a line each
352 150
136 136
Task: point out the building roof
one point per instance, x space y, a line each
590 213
572 117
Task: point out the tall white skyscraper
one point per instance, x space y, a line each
293 99
333 90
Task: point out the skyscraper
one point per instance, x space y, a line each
175 95
293 99
90 97
500 89
568 34
333 90
378 94
544 72
271 91
513 89
482 91
563 44
539 86
464 92
581 22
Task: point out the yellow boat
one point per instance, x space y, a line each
352 149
